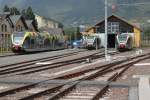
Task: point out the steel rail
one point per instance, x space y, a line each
101 72
35 95
20 88
32 69
41 59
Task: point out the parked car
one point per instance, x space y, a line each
69 44
78 44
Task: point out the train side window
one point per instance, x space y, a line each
32 41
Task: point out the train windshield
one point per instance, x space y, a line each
90 37
122 37
18 34
18 40
18 37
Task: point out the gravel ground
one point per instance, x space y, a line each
27 57
112 94
27 92
46 74
4 87
127 77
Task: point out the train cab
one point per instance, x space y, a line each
124 41
92 41
17 40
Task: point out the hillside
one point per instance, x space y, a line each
80 11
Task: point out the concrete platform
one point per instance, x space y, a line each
143 87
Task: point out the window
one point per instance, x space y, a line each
97 29
4 28
113 27
18 28
21 29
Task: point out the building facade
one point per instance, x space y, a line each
11 23
116 25
46 22
31 26
18 22
6 25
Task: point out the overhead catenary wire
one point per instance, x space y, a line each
133 4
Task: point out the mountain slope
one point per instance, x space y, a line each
80 11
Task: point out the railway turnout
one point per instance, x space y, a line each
85 81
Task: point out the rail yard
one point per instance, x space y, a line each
74 50
73 74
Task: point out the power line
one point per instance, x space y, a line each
133 4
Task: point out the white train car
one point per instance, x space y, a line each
125 41
92 41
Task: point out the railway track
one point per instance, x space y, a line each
74 93
69 89
31 67
30 62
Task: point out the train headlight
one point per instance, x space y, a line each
74 43
122 46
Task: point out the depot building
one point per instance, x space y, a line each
116 25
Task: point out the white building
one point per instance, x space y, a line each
46 22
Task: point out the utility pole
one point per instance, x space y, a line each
106 30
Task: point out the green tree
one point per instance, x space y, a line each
60 25
77 32
14 11
35 23
73 33
6 9
29 14
23 13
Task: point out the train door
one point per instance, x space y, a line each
111 40
26 43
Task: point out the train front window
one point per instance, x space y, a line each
18 40
90 37
17 37
18 34
122 38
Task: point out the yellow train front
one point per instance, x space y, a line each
35 41
125 41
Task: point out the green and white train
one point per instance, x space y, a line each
36 41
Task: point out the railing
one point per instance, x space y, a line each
145 40
5 43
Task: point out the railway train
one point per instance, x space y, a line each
125 41
92 41
36 41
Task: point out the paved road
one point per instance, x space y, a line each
26 57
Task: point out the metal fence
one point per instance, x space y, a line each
5 43
145 40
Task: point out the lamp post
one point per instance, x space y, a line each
106 29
